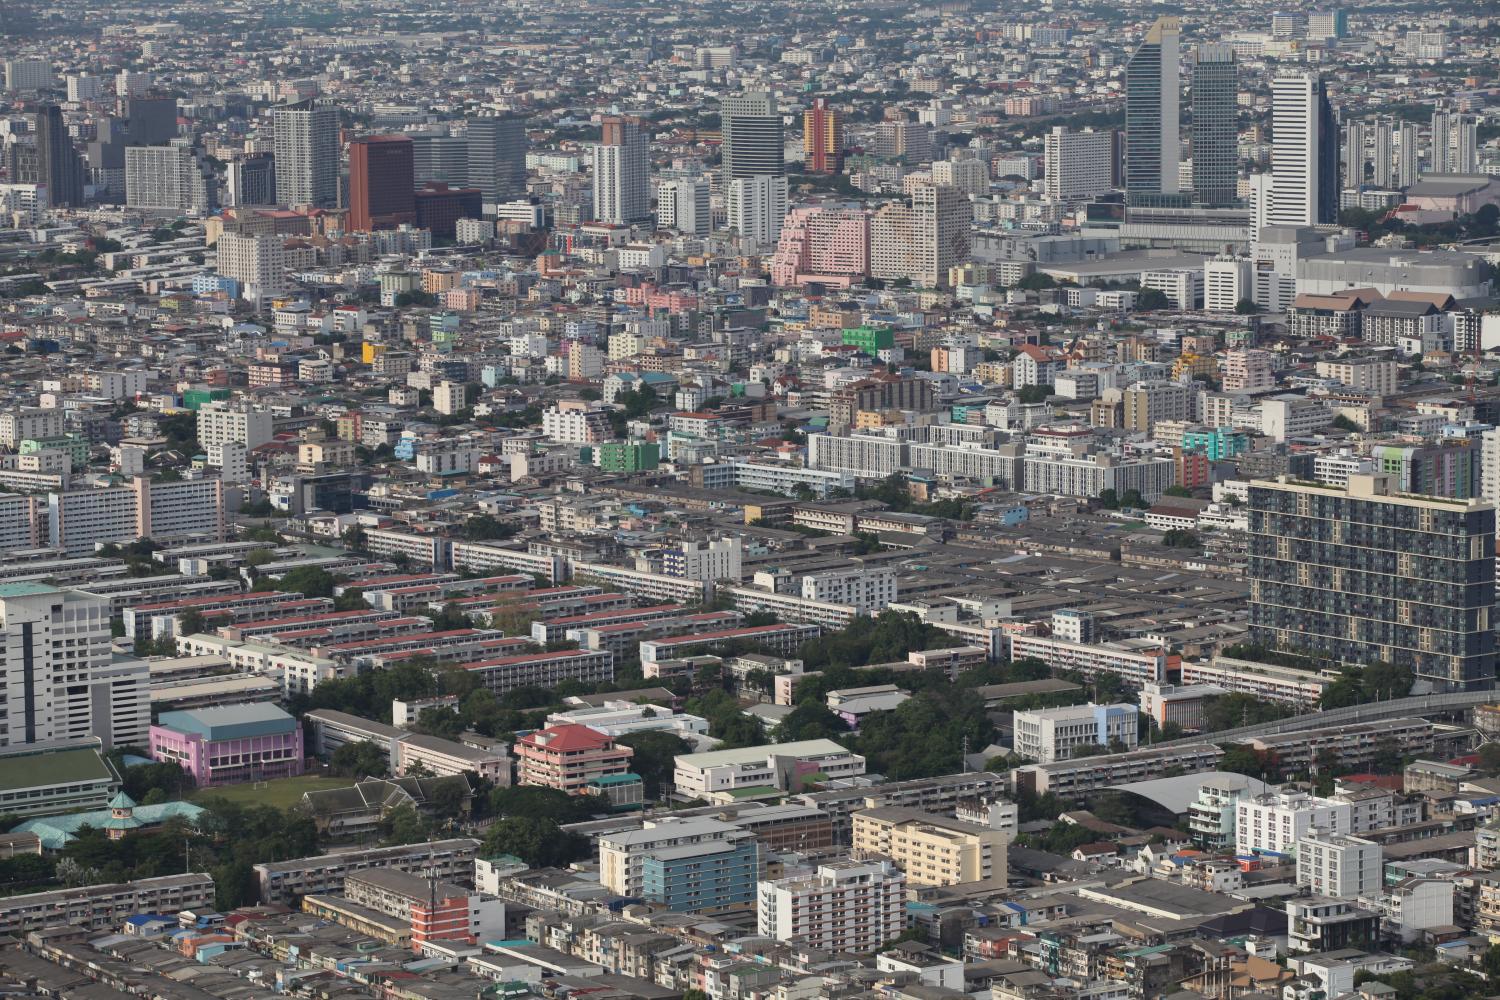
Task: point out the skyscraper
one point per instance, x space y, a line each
251 180
822 139
1455 143
306 138
497 156
1354 157
1078 165
752 137
683 205
1152 110
923 240
622 172
756 206
1215 97
1408 159
58 166
381 185
176 177
440 157
1361 574
1304 152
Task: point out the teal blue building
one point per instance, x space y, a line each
708 876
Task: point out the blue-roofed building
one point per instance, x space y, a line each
122 817
229 744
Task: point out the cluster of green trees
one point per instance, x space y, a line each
1181 538
1378 681
894 493
1130 499
530 821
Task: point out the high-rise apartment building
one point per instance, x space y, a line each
756 206
497 156
177 177
28 74
1338 865
251 180
381 183
830 245
684 205
1304 152
1362 574
622 172
1455 143
257 261
822 139
1078 165
1152 111
58 165
753 144
1215 137
306 138
922 240
59 679
1150 402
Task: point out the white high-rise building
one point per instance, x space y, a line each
1338 865
307 154
27 74
1079 165
176 177
923 240
846 906
683 205
227 421
756 207
58 677
1304 155
82 87
622 173
869 590
719 559
1226 282
257 262
1052 734
1277 821
971 176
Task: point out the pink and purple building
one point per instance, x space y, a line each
229 744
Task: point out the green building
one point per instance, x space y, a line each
75 446
870 339
629 456
194 398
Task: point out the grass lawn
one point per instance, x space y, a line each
281 793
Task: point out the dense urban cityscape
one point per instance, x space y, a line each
772 501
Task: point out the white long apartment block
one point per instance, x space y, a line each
79 520
643 585
862 455
284 881
790 607
1267 681
1067 778
105 907
779 765
486 557
1135 661
868 591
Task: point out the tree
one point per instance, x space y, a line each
259 557
1150 299
1109 499
1132 499
191 622
310 581
810 720
1036 282
1180 538
484 527
537 841
1343 423
1032 394
360 759
352 599
1177 490
403 825
1246 307
655 758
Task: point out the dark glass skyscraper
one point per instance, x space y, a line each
1152 112
497 156
1215 137
754 145
1364 574
58 166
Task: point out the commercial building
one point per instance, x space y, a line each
845 906
755 207
381 183
684 205
176 178
931 849
1051 734
56 778
1364 574
438 910
752 146
497 156
1152 111
1214 133
1304 153
229 744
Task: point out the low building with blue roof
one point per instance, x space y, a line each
122 817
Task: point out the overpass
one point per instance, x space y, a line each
1397 708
